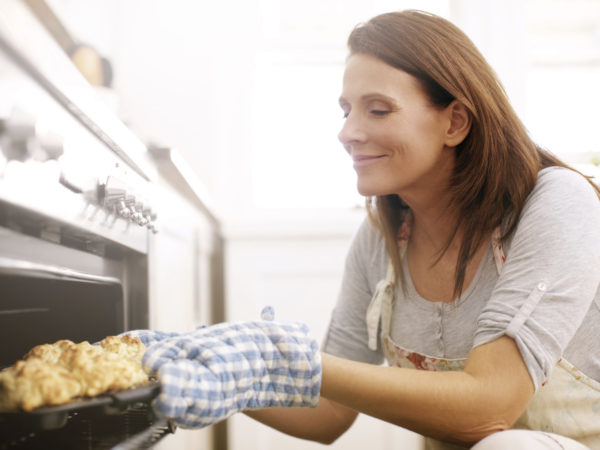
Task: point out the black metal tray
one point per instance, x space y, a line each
53 417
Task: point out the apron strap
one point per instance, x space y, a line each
381 304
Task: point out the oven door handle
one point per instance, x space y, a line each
27 268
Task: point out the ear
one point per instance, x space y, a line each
460 123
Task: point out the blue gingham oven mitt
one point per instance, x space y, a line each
213 372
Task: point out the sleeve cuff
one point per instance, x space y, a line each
497 320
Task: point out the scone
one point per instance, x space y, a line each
126 346
33 383
54 374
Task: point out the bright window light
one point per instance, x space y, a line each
297 159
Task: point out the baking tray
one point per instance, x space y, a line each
54 417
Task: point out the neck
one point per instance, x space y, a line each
433 227
430 201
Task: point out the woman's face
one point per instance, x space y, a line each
395 137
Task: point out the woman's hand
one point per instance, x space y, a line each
213 372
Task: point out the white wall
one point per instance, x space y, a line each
296 267
182 76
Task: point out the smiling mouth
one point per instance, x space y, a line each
362 161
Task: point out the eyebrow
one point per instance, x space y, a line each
369 96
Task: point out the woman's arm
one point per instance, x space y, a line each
324 424
463 407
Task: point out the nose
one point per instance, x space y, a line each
352 132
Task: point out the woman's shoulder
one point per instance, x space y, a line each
368 234
561 198
368 243
560 188
562 179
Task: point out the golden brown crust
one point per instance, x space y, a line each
126 346
54 374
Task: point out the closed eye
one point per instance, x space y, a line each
379 112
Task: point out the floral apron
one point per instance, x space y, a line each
567 404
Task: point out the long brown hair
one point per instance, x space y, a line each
497 163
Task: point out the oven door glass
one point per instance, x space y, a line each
42 305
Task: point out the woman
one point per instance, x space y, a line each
494 249
479 266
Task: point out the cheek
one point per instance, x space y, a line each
426 135
392 137
419 133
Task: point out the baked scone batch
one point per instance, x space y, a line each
54 374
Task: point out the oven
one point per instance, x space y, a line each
78 225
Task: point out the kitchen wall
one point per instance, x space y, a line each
296 268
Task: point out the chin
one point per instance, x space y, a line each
370 191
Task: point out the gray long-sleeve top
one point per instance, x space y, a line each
547 297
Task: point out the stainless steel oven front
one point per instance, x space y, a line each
76 214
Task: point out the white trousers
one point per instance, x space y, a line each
527 440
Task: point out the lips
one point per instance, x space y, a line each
366 160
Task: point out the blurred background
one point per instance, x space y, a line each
245 91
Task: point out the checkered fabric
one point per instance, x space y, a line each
213 372
149 337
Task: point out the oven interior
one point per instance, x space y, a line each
57 286
49 309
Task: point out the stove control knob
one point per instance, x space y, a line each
147 213
111 191
139 217
129 211
50 146
114 196
17 135
122 209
